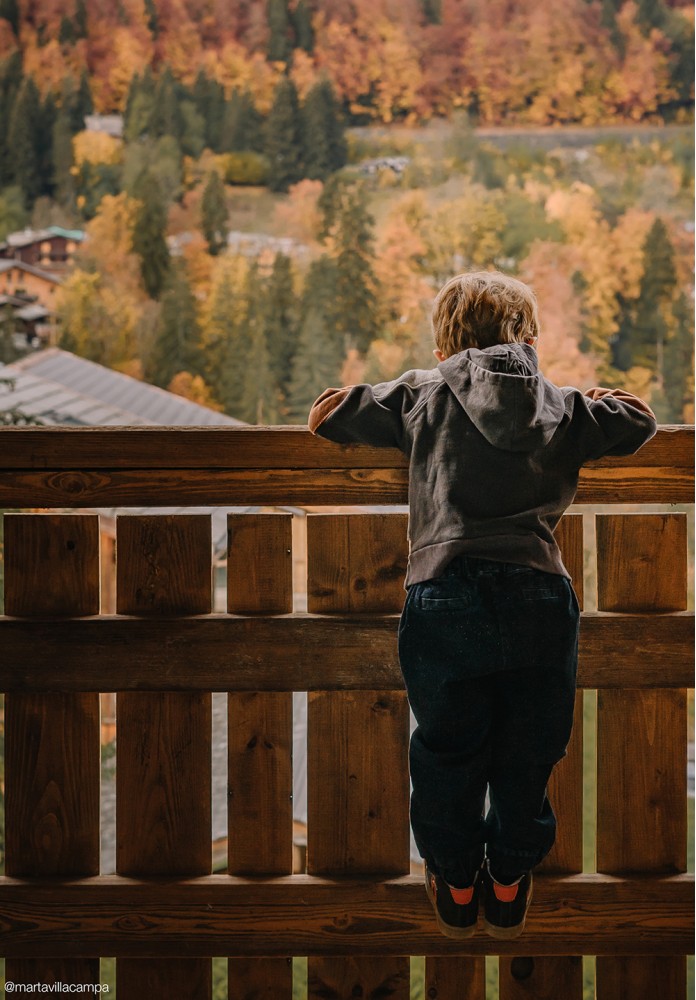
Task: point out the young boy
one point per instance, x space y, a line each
488 634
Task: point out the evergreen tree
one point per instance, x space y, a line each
644 328
10 79
62 156
214 213
167 118
432 11
209 99
283 145
152 18
140 104
279 47
9 10
44 145
259 398
177 342
84 105
324 139
320 349
80 19
350 225
66 33
302 26
226 342
281 320
678 383
149 241
241 124
23 141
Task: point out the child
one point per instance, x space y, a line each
488 634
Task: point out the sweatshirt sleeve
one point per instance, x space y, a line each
613 422
368 414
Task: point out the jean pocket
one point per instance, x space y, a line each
553 590
446 594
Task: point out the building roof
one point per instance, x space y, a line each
120 399
8 263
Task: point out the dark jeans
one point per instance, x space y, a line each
488 652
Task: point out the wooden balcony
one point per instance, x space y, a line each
357 912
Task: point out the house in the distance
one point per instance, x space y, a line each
51 249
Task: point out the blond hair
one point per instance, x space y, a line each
483 308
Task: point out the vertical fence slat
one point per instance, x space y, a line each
163 744
641 739
546 977
357 766
259 581
52 740
455 978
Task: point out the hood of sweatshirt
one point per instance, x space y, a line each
505 395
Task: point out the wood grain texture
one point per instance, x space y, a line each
259 978
355 484
368 978
641 736
455 978
569 535
260 738
282 447
648 978
222 653
259 564
303 915
146 978
163 744
525 978
641 562
357 742
51 740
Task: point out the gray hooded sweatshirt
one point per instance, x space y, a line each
494 451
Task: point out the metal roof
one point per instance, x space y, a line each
7 263
128 400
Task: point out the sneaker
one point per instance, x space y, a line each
456 910
505 906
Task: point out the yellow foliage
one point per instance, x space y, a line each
234 67
132 53
298 214
96 147
194 388
303 72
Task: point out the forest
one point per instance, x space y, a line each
261 119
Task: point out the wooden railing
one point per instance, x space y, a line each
357 912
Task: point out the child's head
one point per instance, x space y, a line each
483 308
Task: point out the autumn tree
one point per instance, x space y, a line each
149 241
214 213
283 138
177 342
316 364
62 157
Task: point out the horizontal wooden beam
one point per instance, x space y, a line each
221 466
289 653
305 915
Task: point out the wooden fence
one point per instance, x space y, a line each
357 912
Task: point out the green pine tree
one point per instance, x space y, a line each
432 11
283 145
66 33
226 346
23 141
279 47
209 99
241 126
84 105
281 319
317 363
152 18
48 114
167 117
348 221
62 156
214 213
9 11
80 19
177 342
324 139
259 397
149 241
302 26
678 382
